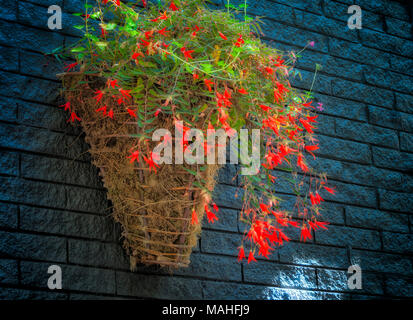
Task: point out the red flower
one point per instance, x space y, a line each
241 254
264 207
305 234
132 113
194 217
66 106
332 191
70 66
306 125
110 113
157 112
99 95
163 32
210 215
251 257
222 36
152 164
103 109
312 148
242 91
301 163
73 117
113 83
173 7
187 53
125 93
195 76
239 42
215 207
134 156
208 84
264 107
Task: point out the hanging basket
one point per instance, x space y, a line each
154 209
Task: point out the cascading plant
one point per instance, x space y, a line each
180 64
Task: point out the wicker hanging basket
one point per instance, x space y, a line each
154 209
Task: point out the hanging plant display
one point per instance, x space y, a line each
151 85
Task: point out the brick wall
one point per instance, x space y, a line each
53 207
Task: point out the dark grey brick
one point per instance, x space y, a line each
375 219
228 174
336 280
343 149
404 102
360 174
401 64
406 141
398 242
13 34
382 262
38 115
387 42
73 277
310 6
361 92
213 267
42 141
9 273
9 58
399 28
8 10
53 196
8 109
219 242
391 119
343 108
279 275
322 83
331 65
396 201
39 65
59 170
324 25
67 223
313 255
364 132
228 196
281 32
227 221
352 194
27 246
358 53
345 236
388 79
9 163
8 215
392 159
97 254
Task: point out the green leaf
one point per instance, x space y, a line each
78 49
